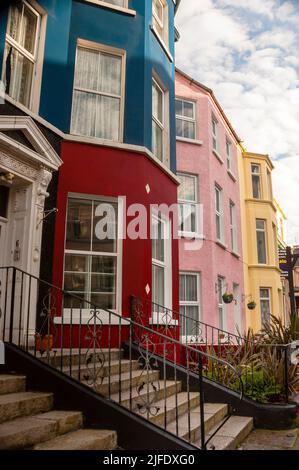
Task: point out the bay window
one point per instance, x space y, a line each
91 259
161 262
265 303
98 96
21 52
256 181
261 241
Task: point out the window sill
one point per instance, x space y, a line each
110 6
191 235
218 156
231 174
221 244
103 317
161 319
189 141
235 254
162 43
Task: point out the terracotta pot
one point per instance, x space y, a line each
44 343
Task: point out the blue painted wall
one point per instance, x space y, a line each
69 20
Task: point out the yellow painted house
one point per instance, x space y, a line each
260 239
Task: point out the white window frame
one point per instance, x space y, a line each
166 265
264 231
221 282
219 214
164 126
229 156
265 299
192 303
187 119
85 312
260 180
215 135
269 183
106 50
36 58
186 203
163 24
233 226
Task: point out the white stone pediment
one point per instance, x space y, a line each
43 153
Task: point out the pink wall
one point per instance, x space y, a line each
198 159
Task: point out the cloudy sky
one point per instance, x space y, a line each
247 51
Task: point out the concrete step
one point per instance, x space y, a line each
233 432
27 431
10 383
64 357
14 405
189 424
83 439
124 381
101 370
171 407
143 396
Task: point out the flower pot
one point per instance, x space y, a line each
227 298
251 305
44 343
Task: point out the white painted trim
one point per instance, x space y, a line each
189 141
218 156
162 43
110 6
231 174
86 315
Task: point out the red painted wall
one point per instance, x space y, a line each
94 170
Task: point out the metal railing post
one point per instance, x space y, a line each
12 304
202 406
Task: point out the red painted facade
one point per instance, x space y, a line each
101 171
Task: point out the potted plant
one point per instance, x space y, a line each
251 305
228 297
43 342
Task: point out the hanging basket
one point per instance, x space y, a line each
251 305
228 298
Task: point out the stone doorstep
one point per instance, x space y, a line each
83 439
10 383
24 432
14 405
233 432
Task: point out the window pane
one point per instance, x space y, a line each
76 283
107 118
14 27
158 9
86 75
158 250
261 247
260 224
191 288
18 75
179 107
157 141
189 130
158 285
157 103
188 109
256 186
217 199
119 3
78 235
28 30
187 188
76 263
110 74
107 301
218 227
179 127
189 319
105 227
84 113
182 287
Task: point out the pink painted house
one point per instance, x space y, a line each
207 152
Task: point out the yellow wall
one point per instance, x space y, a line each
256 275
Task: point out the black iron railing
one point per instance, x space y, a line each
264 368
87 344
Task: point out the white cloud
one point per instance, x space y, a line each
255 75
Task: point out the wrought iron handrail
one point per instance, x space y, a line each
63 341
231 346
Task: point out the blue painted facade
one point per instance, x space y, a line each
69 20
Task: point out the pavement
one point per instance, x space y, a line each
265 439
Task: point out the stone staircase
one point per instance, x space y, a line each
172 408
28 421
